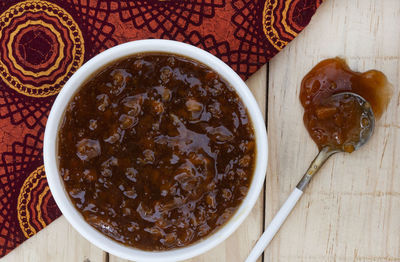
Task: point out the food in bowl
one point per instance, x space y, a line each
156 151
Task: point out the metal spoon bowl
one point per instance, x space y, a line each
367 120
367 123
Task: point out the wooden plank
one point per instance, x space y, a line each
58 242
351 210
239 244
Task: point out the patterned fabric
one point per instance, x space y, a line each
42 43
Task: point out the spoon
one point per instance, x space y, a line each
367 121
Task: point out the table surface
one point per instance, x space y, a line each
351 210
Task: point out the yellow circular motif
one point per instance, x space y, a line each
25 40
25 199
268 25
31 73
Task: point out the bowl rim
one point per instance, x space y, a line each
57 185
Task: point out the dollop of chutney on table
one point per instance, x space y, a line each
337 123
156 151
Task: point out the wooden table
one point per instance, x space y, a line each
351 211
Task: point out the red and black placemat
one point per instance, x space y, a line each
42 43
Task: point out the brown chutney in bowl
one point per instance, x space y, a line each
156 151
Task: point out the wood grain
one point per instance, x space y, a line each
351 211
58 242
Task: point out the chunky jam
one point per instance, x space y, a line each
156 151
336 123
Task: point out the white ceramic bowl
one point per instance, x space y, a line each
56 183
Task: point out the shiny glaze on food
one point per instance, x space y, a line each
337 123
156 151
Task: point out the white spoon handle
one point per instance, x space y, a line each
275 224
287 207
